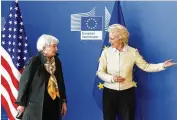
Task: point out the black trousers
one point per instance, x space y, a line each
118 103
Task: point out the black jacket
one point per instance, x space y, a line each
32 86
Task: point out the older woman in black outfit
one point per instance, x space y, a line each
41 93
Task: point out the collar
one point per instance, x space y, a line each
43 59
123 50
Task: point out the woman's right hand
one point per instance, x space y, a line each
118 78
20 109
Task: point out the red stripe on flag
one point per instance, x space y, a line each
6 107
7 87
9 70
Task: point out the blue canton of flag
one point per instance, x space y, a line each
14 55
14 39
91 24
116 18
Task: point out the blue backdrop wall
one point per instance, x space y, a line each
152 27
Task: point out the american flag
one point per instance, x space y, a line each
14 55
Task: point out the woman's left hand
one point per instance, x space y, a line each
63 109
169 63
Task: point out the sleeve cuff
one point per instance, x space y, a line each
112 80
64 101
20 104
161 66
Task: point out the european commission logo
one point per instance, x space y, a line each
89 25
91 28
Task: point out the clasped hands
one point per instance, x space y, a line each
117 78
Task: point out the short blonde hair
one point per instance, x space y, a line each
46 40
120 29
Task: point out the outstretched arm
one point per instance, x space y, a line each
142 64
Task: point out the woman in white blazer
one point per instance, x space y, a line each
116 68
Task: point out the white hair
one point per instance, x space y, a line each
120 29
46 40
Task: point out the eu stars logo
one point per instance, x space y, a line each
91 28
